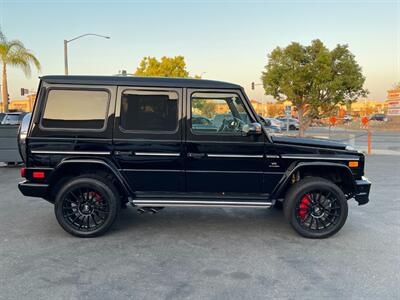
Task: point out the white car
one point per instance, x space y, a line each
275 122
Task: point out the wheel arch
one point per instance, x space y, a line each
336 172
68 168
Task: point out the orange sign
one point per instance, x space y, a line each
333 120
364 121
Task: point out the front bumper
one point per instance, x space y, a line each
362 187
32 189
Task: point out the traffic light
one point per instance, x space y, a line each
24 91
252 85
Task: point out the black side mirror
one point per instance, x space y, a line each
252 129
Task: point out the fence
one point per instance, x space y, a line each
8 144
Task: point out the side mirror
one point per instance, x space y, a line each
252 129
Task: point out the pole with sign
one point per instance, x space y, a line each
288 112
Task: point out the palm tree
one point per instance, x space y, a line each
13 53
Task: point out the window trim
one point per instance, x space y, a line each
208 133
147 90
48 90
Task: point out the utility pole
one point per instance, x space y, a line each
71 40
65 57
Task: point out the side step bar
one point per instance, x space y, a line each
198 203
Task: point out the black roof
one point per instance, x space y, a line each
139 81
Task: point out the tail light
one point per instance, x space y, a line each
38 175
22 172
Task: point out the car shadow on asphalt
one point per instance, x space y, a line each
223 220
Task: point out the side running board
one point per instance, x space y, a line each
198 203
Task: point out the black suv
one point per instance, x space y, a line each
96 143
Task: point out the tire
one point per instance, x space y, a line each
292 127
87 206
315 207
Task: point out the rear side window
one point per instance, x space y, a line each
75 109
149 111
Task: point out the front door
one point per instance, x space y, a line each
148 138
220 159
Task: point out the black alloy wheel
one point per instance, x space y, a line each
87 206
316 207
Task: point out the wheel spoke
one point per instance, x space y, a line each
323 210
94 221
82 210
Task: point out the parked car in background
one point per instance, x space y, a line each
275 122
347 118
13 118
2 115
269 126
203 123
378 117
293 123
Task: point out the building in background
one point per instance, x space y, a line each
23 105
393 103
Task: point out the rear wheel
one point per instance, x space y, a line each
316 207
87 206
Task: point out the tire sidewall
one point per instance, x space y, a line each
301 188
107 190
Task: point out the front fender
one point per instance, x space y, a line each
296 166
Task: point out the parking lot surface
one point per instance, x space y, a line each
197 253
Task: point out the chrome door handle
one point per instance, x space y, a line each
197 155
123 153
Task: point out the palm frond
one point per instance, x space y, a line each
15 54
23 58
2 37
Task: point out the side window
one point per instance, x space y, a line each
218 113
149 111
75 109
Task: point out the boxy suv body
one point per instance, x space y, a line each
95 144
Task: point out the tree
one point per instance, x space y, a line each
13 53
166 67
315 79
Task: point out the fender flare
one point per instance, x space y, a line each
295 166
96 161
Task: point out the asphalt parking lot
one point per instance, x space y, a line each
203 253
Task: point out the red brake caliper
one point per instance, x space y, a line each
303 211
96 196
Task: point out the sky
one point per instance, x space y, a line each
220 40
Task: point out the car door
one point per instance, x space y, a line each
220 160
148 138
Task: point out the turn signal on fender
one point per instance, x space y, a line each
353 164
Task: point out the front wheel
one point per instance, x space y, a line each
87 206
315 207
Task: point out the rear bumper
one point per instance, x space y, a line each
32 189
362 190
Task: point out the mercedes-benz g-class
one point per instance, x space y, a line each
97 143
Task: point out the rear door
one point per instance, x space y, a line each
148 138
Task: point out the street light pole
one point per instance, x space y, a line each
71 40
66 57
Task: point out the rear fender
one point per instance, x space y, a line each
105 163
